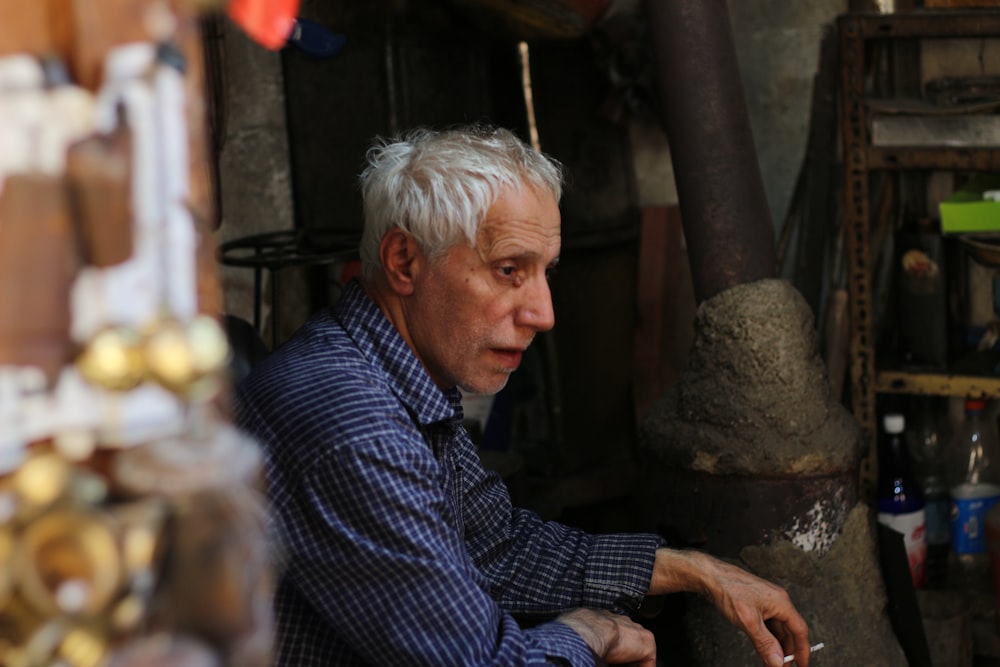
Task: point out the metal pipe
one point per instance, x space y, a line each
724 210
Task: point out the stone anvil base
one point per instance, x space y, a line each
750 458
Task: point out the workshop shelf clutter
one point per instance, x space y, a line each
921 183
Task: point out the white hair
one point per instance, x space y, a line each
439 185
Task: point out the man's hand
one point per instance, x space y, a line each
759 608
614 639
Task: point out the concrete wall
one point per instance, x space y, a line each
777 44
255 179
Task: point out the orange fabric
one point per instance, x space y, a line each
268 22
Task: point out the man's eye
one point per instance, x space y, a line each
507 270
550 272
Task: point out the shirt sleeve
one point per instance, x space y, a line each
368 547
541 567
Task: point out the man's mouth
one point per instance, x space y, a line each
509 357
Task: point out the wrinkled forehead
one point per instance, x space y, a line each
527 218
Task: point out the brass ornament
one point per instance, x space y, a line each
40 481
128 614
61 642
113 360
69 563
84 646
20 622
187 358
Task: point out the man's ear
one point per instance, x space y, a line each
400 257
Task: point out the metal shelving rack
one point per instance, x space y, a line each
856 32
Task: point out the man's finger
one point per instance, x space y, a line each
767 645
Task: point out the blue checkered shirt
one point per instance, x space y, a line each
399 548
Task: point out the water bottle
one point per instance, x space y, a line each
974 478
928 435
900 498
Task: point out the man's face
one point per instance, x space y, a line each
474 311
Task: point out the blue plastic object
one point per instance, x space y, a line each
312 38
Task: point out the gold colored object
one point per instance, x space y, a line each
918 263
140 548
69 563
20 622
185 357
141 540
42 479
6 574
113 359
128 614
62 642
84 647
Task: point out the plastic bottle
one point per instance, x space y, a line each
928 434
900 498
974 485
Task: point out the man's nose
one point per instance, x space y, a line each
536 310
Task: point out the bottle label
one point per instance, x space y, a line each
912 525
969 505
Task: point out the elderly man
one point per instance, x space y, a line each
401 549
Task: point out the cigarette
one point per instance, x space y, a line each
812 649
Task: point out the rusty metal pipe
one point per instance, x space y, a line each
724 210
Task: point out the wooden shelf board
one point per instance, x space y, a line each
956 158
936 384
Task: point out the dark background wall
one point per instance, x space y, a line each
295 128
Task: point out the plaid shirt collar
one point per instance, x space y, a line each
382 344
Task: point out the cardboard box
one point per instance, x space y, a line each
966 211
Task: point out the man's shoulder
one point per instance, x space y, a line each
320 358
316 391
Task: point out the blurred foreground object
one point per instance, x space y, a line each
132 523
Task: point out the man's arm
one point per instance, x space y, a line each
367 545
538 567
761 609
